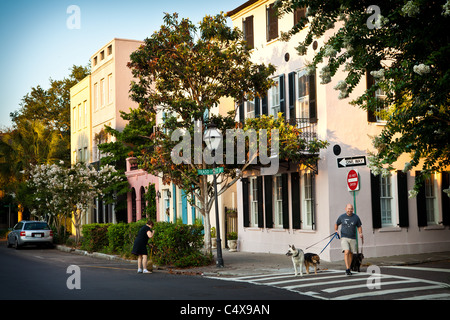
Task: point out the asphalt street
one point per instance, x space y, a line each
43 274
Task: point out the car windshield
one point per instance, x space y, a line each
36 226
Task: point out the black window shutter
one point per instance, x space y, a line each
257 105
370 81
248 32
445 198
421 204
282 95
402 186
259 183
312 98
295 196
375 195
313 205
245 198
264 105
241 112
291 89
268 201
272 22
284 182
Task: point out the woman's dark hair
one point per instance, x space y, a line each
150 222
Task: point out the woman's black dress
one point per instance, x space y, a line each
140 244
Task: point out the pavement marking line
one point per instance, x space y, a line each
437 296
324 282
385 292
336 289
418 268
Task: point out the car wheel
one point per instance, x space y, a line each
17 246
8 245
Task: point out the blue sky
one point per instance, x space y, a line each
37 45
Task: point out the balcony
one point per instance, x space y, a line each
307 127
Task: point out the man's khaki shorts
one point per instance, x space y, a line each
348 244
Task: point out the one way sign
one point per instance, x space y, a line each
351 162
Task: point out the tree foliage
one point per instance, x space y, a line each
405 47
183 71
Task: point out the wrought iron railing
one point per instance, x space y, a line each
308 128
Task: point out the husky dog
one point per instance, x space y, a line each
298 258
311 258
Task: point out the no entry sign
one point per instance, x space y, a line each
352 180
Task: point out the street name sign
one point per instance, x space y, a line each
351 162
205 172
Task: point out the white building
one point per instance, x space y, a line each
301 206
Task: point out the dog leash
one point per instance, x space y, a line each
334 234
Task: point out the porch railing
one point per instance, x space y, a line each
308 128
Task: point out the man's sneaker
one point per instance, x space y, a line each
146 271
139 270
347 272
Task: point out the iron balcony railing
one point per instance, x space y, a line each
308 128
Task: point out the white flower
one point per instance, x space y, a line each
325 75
421 69
407 167
447 191
341 85
446 8
329 51
410 9
378 74
412 193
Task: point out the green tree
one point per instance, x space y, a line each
183 71
405 46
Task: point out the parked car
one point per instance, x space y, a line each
30 232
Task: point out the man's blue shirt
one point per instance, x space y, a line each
349 225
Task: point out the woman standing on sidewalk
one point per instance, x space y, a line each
140 246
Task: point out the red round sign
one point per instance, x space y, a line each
352 180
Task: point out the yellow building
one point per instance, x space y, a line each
80 122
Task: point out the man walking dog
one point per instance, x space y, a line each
349 222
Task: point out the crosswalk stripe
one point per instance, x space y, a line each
418 268
287 281
443 296
384 292
336 289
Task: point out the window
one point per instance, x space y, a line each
110 50
102 55
166 203
102 92
86 155
95 61
380 114
271 22
386 201
431 200
110 89
308 200
298 14
274 98
85 113
96 96
80 117
74 119
247 26
303 94
249 108
253 202
278 201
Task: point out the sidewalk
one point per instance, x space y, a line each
249 263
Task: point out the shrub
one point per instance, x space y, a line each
95 237
178 245
117 236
